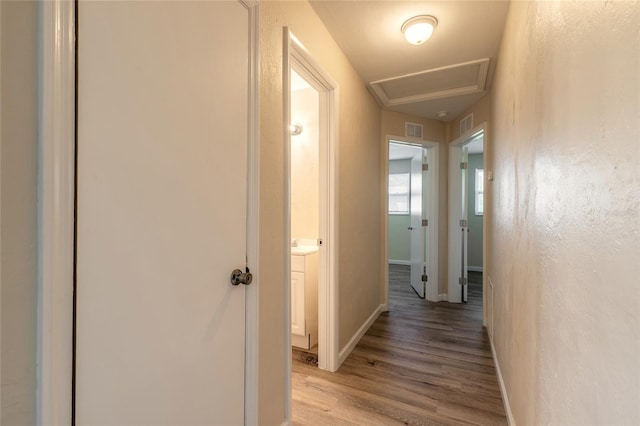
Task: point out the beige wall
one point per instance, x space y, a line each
18 192
359 195
305 172
566 212
433 131
481 111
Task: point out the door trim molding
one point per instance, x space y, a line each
253 220
328 356
455 155
56 212
454 289
296 55
301 59
433 201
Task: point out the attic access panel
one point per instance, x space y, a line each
454 80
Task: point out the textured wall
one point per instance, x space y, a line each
481 111
19 239
566 212
358 216
305 172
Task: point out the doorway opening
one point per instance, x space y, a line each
466 217
310 207
305 211
315 105
411 215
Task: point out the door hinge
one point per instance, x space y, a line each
425 278
464 165
462 281
320 241
463 223
425 222
425 167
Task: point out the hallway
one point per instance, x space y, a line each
420 363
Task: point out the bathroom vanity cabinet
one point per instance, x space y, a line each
304 299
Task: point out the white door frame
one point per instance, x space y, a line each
432 199
417 240
295 55
56 216
0 210
455 193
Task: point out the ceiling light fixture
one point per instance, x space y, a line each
418 29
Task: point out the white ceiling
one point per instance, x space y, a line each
368 32
402 152
476 146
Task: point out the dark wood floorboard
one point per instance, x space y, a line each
421 363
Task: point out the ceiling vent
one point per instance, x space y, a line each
454 80
466 124
413 130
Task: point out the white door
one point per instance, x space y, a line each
464 223
427 268
416 233
457 224
161 214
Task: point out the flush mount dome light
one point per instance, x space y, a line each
418 29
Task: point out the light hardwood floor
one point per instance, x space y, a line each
421 363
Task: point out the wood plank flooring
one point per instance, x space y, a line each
421 363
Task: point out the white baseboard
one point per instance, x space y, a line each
503 390
346 351
443 297
384 308
400 262
474 268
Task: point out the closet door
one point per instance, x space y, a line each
161 214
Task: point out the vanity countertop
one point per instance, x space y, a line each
303 250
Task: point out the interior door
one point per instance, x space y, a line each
161 212
464 223
417 255
426 267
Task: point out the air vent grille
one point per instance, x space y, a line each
466 124
413 130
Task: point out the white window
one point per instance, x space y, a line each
479 192
399 193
